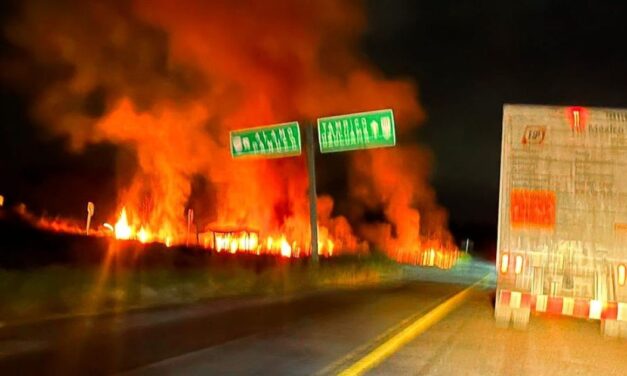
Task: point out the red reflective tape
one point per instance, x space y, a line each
505 296
610 311
582 308
525 300
554 305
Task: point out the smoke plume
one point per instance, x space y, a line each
170 79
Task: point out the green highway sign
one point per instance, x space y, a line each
364 130
279 140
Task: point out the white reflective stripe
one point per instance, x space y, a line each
504 263
518 264
514 299
541 302
596 307
622 312
568 306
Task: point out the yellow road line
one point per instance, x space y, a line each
418 327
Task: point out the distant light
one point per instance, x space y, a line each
621 274
504 263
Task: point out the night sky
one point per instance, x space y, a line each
467 59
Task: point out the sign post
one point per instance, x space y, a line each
190 220
281 140
313 197
363 130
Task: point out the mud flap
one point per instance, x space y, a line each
610 328
520 318
502 315
614 328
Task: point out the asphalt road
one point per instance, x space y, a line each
322 342
291 335
320 333
467 342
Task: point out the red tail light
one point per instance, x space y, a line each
577 118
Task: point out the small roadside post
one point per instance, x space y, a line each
90 213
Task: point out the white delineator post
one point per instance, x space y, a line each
90 213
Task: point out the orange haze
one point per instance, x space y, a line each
170 79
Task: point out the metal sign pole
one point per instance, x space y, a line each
313 204
190 220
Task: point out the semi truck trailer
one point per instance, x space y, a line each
562 228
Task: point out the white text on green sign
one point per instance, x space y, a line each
357 131
271 141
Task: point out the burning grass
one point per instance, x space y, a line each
45 273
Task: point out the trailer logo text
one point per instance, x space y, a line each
612 128
534 134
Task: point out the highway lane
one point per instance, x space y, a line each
467 342
316 333
321 342
322 333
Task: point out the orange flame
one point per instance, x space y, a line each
143 235
121 229
286 249
173 102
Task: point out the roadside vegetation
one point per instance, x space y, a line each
54 290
